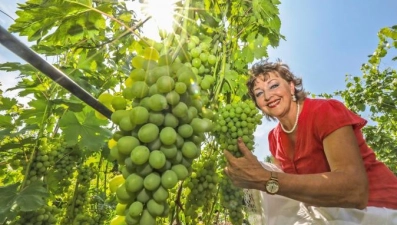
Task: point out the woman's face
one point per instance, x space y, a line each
273 94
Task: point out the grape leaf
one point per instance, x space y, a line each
7 200
3 133
35 113
73 105
30 198
23 142
7 103
5 121
84 129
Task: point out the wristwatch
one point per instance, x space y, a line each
272 184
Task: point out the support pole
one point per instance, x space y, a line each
27 54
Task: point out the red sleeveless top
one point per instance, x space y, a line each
319 118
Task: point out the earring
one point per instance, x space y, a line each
293 98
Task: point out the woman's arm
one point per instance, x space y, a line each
345 186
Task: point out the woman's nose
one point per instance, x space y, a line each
266 95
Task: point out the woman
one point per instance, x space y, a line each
319 147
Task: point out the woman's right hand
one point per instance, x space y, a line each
246 171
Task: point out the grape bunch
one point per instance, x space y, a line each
202 187
232 197
76 205
65 160
16 161
45 215
202 60
41 161
159 134
238 119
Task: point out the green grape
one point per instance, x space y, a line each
202 186
235 120
161 132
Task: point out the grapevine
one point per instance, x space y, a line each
165 97
235 120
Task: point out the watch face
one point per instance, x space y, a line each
272 186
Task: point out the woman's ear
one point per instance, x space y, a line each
292 87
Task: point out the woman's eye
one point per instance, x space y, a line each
258 94
273 86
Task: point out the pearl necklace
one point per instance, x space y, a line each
296 122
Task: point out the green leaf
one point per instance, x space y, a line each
71 128
19 144
7 200
36 112
4 132
247 54
84 129
73 105
31 198
5 121
260 52
7 103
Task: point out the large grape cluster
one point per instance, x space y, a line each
159 134
202 187
238 119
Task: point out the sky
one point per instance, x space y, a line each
325 40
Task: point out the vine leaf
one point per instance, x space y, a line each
7 103
84 129
5 121
30 198
36 112
73 105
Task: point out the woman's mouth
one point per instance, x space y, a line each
273 104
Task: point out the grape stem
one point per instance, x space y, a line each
178 198
75 193
213 206
105 178
222 74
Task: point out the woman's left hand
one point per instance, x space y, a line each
246 171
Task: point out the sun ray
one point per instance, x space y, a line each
162 12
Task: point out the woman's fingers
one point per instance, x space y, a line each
243 148
229 157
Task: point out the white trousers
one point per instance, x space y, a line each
265 209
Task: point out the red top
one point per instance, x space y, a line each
319 118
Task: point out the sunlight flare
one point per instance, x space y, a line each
162 12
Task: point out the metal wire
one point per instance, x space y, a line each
27 54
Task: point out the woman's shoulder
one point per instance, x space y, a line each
321 101
332 114
323 104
